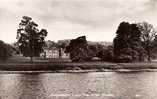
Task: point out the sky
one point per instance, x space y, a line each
67 19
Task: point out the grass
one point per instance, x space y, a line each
18 63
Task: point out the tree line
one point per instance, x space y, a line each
134 42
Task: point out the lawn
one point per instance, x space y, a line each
18 63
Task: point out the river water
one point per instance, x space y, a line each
99 85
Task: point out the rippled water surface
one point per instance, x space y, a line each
103 85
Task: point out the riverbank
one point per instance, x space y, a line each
77 67
22 64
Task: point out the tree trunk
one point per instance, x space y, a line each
31 59
149 55
60 53
44 55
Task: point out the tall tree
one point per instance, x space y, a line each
135 43
30 39
148 35
127 43
121 39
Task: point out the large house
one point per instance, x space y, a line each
54 53
51 50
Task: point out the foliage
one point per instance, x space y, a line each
63 43
154 48
79 49
15 48
148 35
5 51
127 43
106 54
50 45
30 39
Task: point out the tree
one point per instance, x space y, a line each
120 41
147 37
127 43
30 39
154 48
79 49
135 42
15 48
50 44
6 51
106 54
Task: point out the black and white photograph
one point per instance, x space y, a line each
78 49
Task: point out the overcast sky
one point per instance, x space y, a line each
66 19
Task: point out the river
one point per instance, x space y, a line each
99 85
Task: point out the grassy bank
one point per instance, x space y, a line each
37 66
22 64
51 66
